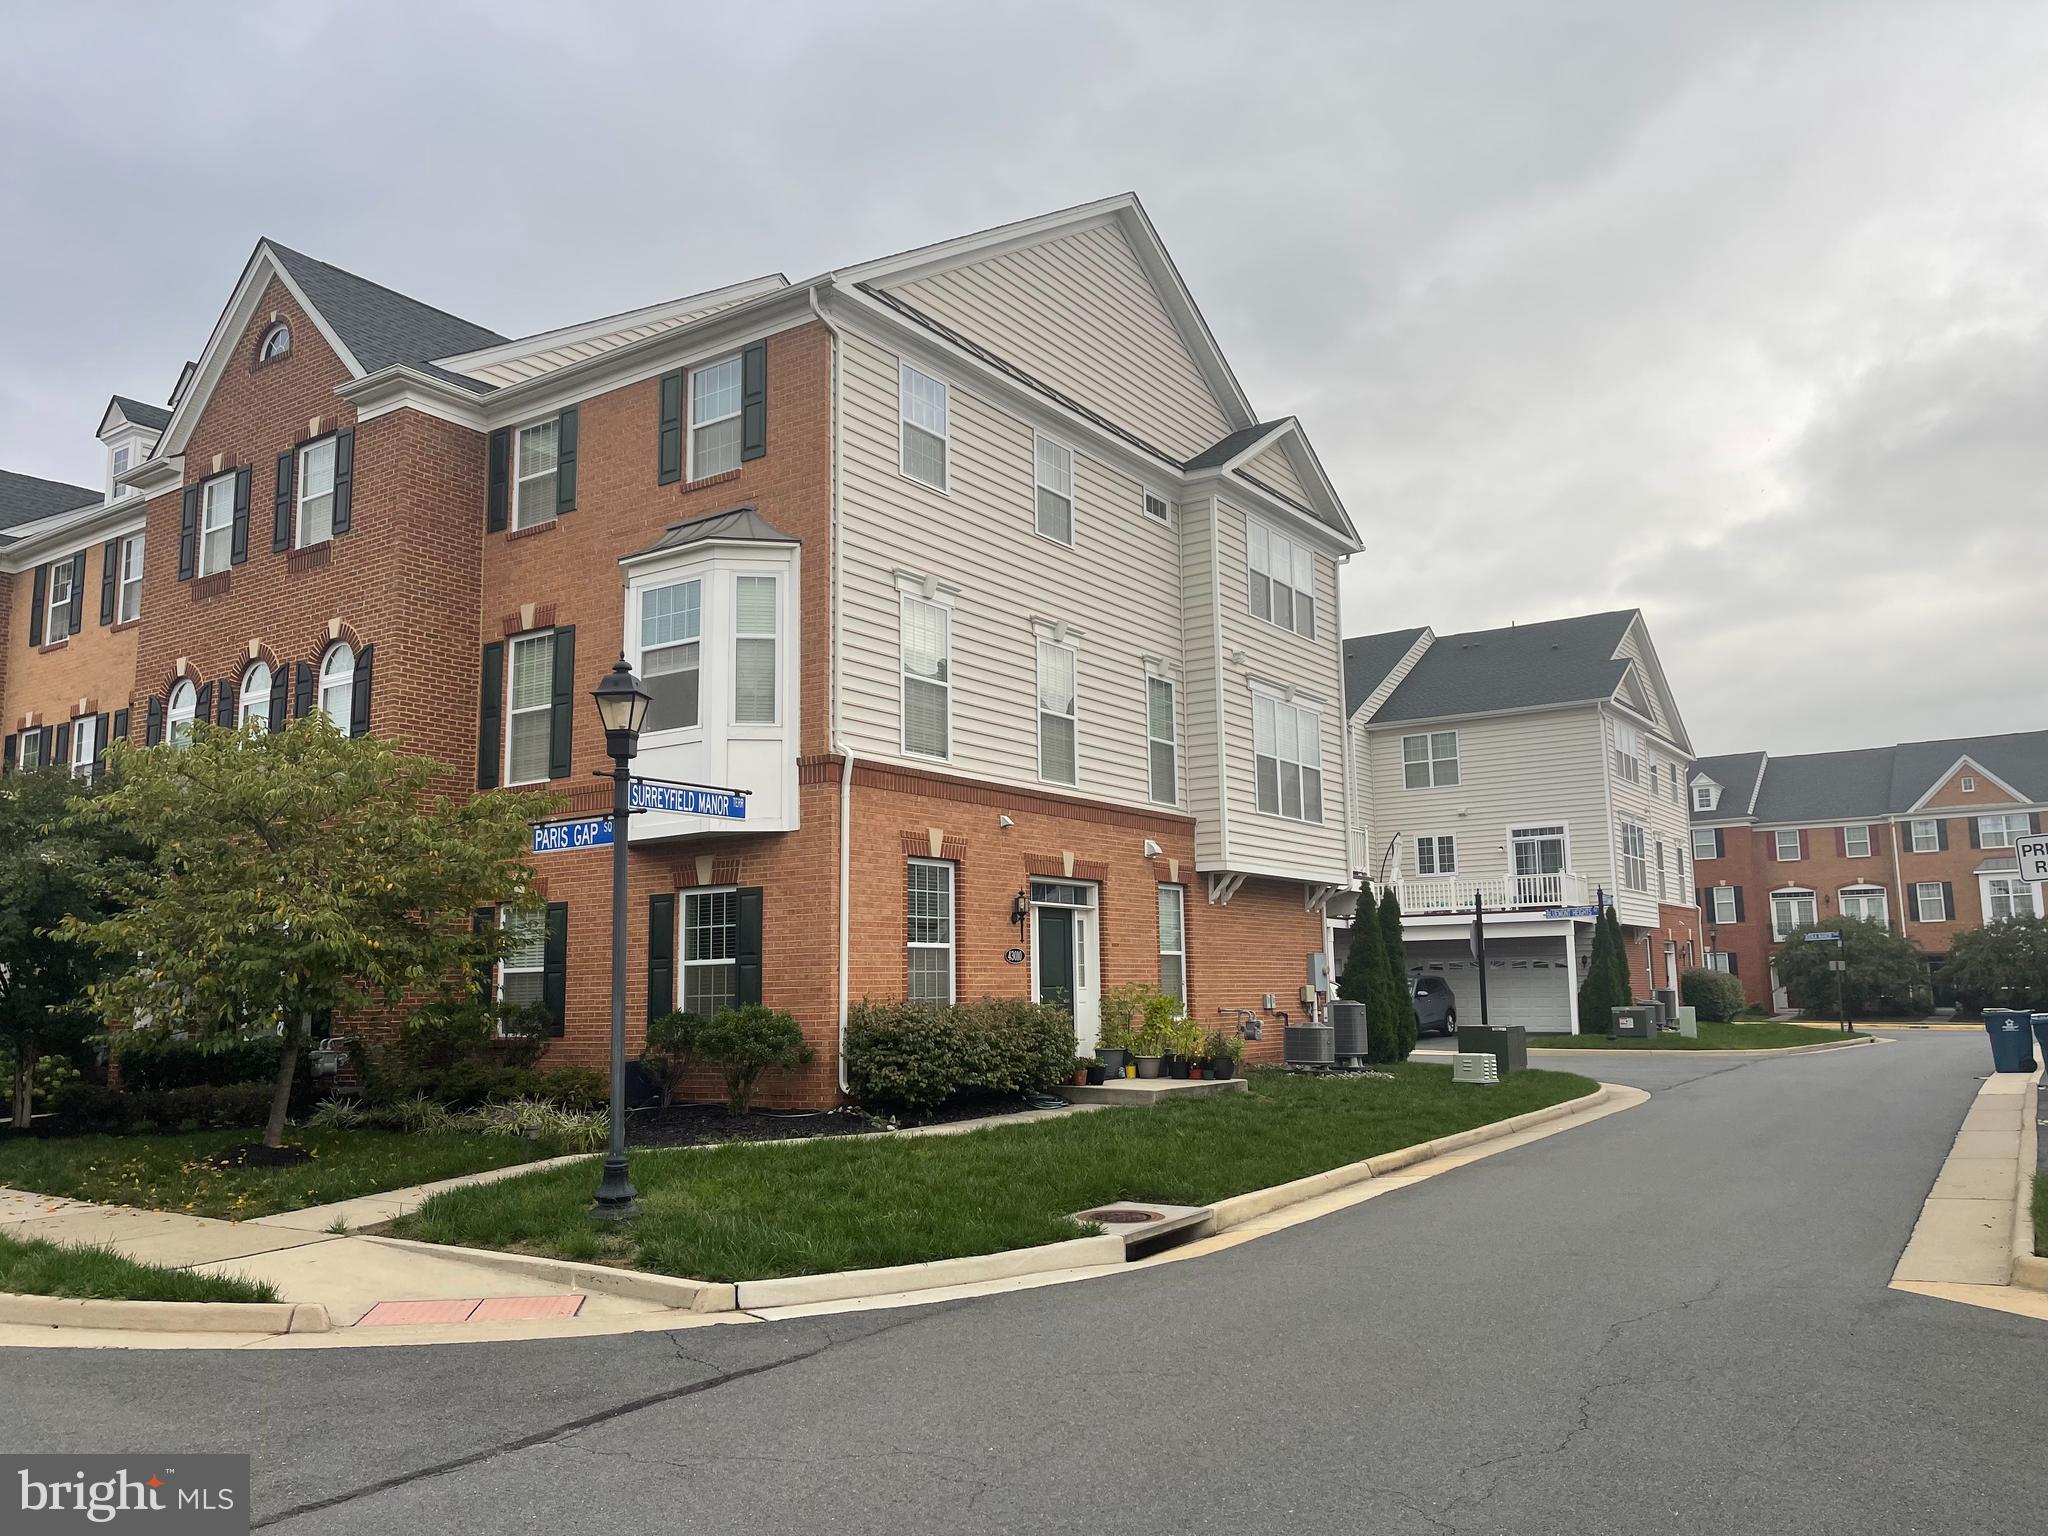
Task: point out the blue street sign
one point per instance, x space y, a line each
1557 913
565 836
1828 937
686 800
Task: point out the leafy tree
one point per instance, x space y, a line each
46 876
1886 973
2001 965
1400 1000
291 875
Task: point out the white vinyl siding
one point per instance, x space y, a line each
533 488
1272 468
714 419
929 910
1058 714
1162 739
529 706
927 655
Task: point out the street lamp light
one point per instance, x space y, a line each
622 705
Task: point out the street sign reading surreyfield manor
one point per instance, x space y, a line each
686 800
2033 857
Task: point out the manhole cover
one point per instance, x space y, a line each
1120 1215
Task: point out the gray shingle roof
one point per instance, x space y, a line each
28 498
740 525
1367 661
1876 781
1525 666
143 414
383 328
1736 773
1222 452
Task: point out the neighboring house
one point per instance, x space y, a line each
1537 769
1918 837
972 566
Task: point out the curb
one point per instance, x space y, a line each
597 1279
165 1316
2029 1269
855 1284
1778 1050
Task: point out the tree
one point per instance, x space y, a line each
1365 978
2002 965
1604 988
46 868
1886 973
292 875
1400 1000
1617 949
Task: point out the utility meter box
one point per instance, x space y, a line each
1637 1023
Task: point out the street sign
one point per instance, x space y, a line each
2033 857
1558 914
566 836
1827 936
686 800
1838 965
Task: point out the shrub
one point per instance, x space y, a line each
461 1055
152 1062
574 1130
89 1108
1715 996
906 1057
1138 1018
671 1043
745 1042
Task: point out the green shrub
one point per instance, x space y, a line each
745 1042
150 1063
51 1073
89 1108
461 1055
1715 996
906 1057
671 1043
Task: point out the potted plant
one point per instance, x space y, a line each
1081 1067
1113 1044
1225 1051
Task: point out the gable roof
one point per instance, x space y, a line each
1872 781
30 498
1524 666
138 413
378 326
1736 773
1240 444
1369 658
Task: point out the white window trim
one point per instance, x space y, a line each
1708 834
1172 742
506 918
51 607
85 731
322 683
950 948
520 482
544 639
1933 826
717 657
199 565
637 644
263 352
1920 890
300 498
2011 881
128 582
2005 819
1039 711
243 696
903 675
1180 896
1516 829
1794 891
1703 797
692 425
1436 840
1714 909
776 637
1968 784
1849 850
945 433
1149 494
1430 760
1860 894
1301 705
1039 442
1778 852
684 965
1628 752
173 718
1625 825
1252 573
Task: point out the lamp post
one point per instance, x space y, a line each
622 705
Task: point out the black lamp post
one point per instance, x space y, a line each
622 704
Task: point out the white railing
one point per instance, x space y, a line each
1423 894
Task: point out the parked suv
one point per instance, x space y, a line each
1436 1006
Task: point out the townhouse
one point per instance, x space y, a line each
1539 770
1918 837
970 569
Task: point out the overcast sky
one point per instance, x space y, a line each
1735 312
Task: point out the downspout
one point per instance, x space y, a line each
1898 872
836 745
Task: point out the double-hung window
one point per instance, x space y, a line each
1724 910
671 653
715 419
1792 910
115 489
85 745
1930 902
711 934
1287 759
1054 477
1161 741
1865 902
254 707
1703 844
1785 844
338 686
316 493
57 621
1058 715
129 604
1436 855
2006 897
754 649
29 753
1635 864
929 907
1173 944
1628 762
2002 831
181 709
1429 761
927 667
1702 797
1663 876
523 960
1856 842
1282 576
1926 836
529 707
533 490
216 524
922 410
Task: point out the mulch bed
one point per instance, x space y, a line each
256 1155
691 1125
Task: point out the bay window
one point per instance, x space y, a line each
755 627
671 646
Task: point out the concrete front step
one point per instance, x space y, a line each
1143 1091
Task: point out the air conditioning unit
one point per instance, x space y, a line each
1347 1019
1309 1045
1475 1067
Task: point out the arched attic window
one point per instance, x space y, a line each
277 341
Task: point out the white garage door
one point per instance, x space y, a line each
1533 991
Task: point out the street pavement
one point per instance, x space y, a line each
1674 1319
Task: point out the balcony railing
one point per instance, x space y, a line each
1424 894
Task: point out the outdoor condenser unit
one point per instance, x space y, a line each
1347 1019
1310 1045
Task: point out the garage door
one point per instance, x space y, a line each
1529 990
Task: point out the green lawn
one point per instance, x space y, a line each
1739 1036
32 1267
171 1173
754 1212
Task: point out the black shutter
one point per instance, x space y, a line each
153 729
238 540
103 728
120 731
554 967
562 721
281 502
225 713
565 461
1971 823
670 434
481 922
280 696
110 579
490 746
754 401
501 467
344 480
746 980
39 599
2034 822
188 533
1738 903
1734 965
1948 901
77 625
302 695
661 954
1941 835
203 707
359 698
60 752
1720 843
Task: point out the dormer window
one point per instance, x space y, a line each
123 456
1705 796
277 341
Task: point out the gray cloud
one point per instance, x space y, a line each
1733 311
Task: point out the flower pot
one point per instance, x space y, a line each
1112 1061
1195 1072
1148 1066
1221 1067
1095 1073
1080 1076
1179 1066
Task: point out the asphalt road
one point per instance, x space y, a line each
1672 1320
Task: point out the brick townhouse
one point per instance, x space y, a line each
1917 836
971 566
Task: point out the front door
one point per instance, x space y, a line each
1065 959
1539 866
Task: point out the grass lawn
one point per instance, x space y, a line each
32 1267
754 1212
1764 1035
172 1173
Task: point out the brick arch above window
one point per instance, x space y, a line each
181 671
332 632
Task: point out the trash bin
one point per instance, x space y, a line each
2012 1045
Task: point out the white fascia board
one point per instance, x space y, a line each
400 387
1960 765
1396 675
605 325
1411 726
1679 737
152 477
1332 874
1245 496
32 544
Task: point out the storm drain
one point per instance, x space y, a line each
1149 1229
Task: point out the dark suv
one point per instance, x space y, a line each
1436 1007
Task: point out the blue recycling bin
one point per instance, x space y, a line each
2012 1039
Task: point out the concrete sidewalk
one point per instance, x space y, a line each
1966 1231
